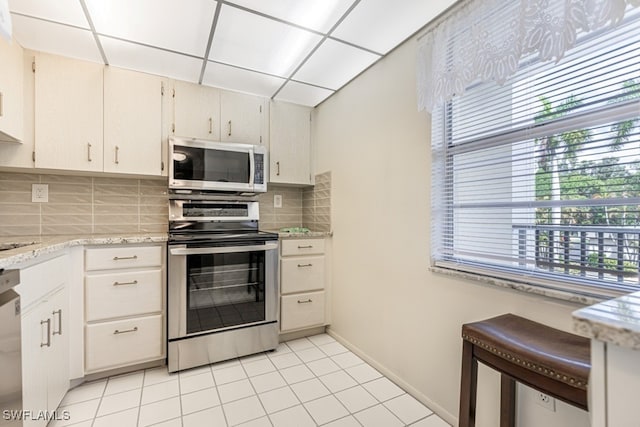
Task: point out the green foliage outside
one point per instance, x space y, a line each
561 175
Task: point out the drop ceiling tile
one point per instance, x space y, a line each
303 94
257 43
65 11
227 77
334 64
380 25
319 15
182 26
58 39
150 60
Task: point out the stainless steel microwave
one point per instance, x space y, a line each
198 164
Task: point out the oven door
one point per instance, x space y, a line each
206 165
219 288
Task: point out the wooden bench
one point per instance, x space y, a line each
553 362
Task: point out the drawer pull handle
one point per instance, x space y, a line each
305 265
48 322
120 258
305 247
305 302
116 332
59 313
135 282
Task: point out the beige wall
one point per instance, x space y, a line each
386 304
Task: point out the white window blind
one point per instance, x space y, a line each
538 179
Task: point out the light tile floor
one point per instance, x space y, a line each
312 381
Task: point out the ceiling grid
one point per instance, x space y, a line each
300 51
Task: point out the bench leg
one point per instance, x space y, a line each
468 386
507 401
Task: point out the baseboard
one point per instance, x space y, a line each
288 336
437 409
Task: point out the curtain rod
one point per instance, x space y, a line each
442 16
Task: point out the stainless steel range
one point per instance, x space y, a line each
222 281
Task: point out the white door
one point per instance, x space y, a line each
35 338
242 118
197 111
11 84
290 144
132 122
68 114
58 353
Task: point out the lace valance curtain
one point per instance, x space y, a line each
486 40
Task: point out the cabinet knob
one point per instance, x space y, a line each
229 128
277 168
89 152
116 159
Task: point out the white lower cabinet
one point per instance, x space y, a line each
123 342
124 306
302 284
301 311
45 337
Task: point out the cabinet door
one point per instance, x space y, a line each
34 367
132 122
68 114
197 111
57 309
242 118
11 82
290 144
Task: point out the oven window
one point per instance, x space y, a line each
200 164
225 290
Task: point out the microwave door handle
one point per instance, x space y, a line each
222 250
252 167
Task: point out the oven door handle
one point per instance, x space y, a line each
222 250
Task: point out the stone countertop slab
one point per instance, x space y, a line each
311 234
48 244
615 321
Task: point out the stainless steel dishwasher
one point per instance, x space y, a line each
10 350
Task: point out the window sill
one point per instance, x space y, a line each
528 288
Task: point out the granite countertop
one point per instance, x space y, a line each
616 321
303 235
48 244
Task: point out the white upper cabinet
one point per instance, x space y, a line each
197 111
243 118
290 144
11 84
132 122
68 114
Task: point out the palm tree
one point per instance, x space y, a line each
559 148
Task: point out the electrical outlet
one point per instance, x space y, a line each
546 401
277 201
39 193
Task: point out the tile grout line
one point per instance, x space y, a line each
266 357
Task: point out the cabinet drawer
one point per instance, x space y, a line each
123 342
302 310
123 257
302 274
302 247
123 294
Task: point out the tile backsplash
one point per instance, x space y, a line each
301 207
96 205
82 205
316 204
